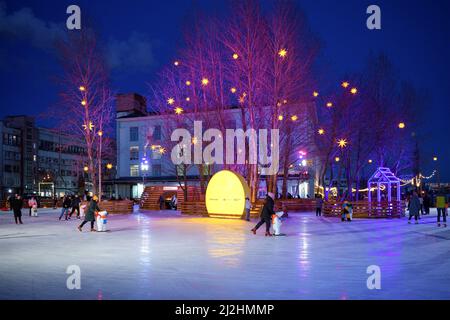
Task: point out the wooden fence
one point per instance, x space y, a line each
115 206
295 205
365 209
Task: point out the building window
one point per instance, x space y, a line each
180 170
134 170
157 133
134 153
156 170
134 134
156 154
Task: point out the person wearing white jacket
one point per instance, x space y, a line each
276 223
32 204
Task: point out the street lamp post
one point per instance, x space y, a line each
144 169
435 159
100 134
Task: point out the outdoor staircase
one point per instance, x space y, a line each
150 198
256 209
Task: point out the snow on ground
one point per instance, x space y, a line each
163 255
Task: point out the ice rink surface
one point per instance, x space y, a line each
163 255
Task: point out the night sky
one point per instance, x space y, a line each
142 36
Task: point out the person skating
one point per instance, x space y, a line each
16 206
65 207
248 207
319 204
75 206
441 206
347 211
421 206
162 203
266 214
90 214
427 203
414 207
32 204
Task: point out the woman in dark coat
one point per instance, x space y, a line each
266 214
16 205
90 214
414 207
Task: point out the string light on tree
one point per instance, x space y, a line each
109 166
282 53
178 110
370 161
294 118
205 81
235 56
176 63
401 125
321 131
83 102
342 143
89 126
171 101
280 117
435 158
233 90
345 84
86 168
354 91
188 99
82 88
337 159
315 94
188 83
329 104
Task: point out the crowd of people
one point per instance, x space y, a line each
420 204
70 205
417 205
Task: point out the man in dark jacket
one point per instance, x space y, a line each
427 203
75 206
16 205
266 214
90 214
65 207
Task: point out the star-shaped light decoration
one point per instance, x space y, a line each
342 143
90 126
205 81
282 53
178 110
170 101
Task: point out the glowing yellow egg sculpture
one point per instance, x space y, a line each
225 195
